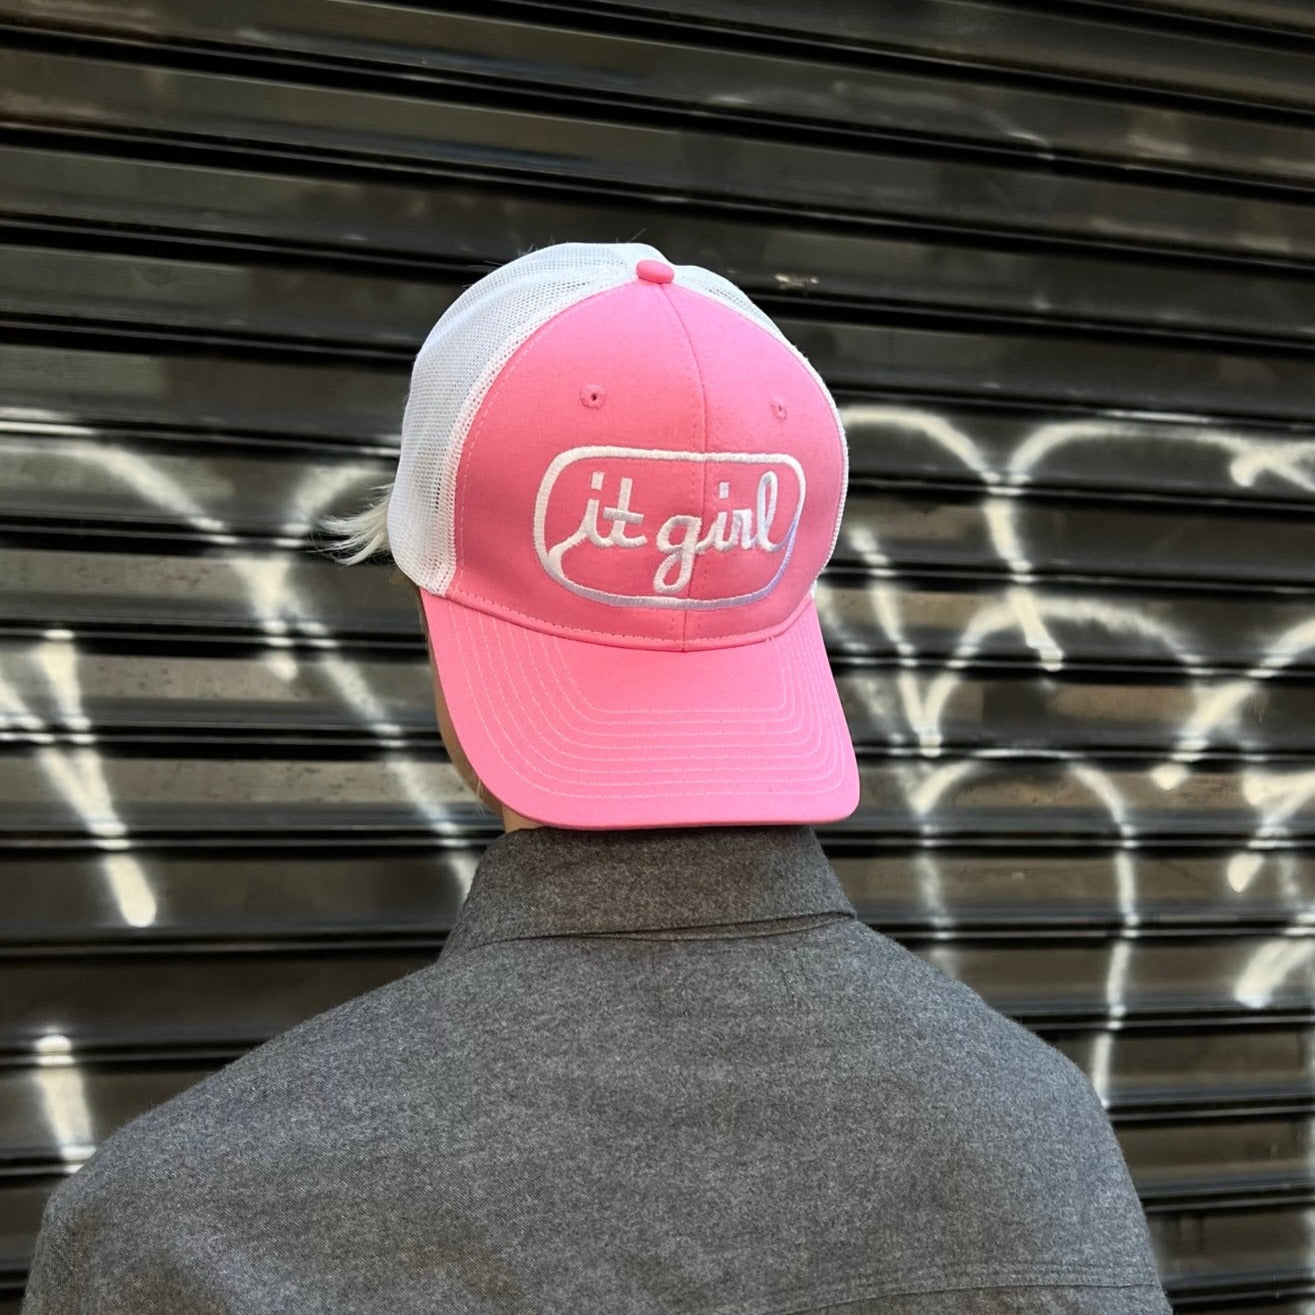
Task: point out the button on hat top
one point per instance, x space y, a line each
655 271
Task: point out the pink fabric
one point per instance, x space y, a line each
663 666
577 734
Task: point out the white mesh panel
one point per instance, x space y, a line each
456 365
466 350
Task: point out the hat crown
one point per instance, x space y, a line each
602 444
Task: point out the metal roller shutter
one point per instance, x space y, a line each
1055 262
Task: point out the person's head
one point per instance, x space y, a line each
618 483
511 820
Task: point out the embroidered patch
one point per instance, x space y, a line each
618 524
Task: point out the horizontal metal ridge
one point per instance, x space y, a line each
1082 46
105 495
715 72
325 894
172 695
277 598
330 129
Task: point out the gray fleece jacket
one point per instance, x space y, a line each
666 1070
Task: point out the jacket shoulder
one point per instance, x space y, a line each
1004 1121
122 1232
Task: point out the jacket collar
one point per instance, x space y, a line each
553 881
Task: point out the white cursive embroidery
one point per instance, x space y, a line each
620 516
681 537
746 532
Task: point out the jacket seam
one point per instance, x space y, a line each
825 918
856 1288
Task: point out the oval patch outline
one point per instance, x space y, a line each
550 557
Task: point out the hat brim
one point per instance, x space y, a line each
577 734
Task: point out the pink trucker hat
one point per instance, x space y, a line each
618 483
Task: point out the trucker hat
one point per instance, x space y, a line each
618 483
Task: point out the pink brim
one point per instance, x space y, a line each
577 734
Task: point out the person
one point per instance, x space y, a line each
659 1064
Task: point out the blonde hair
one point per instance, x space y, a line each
360 534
